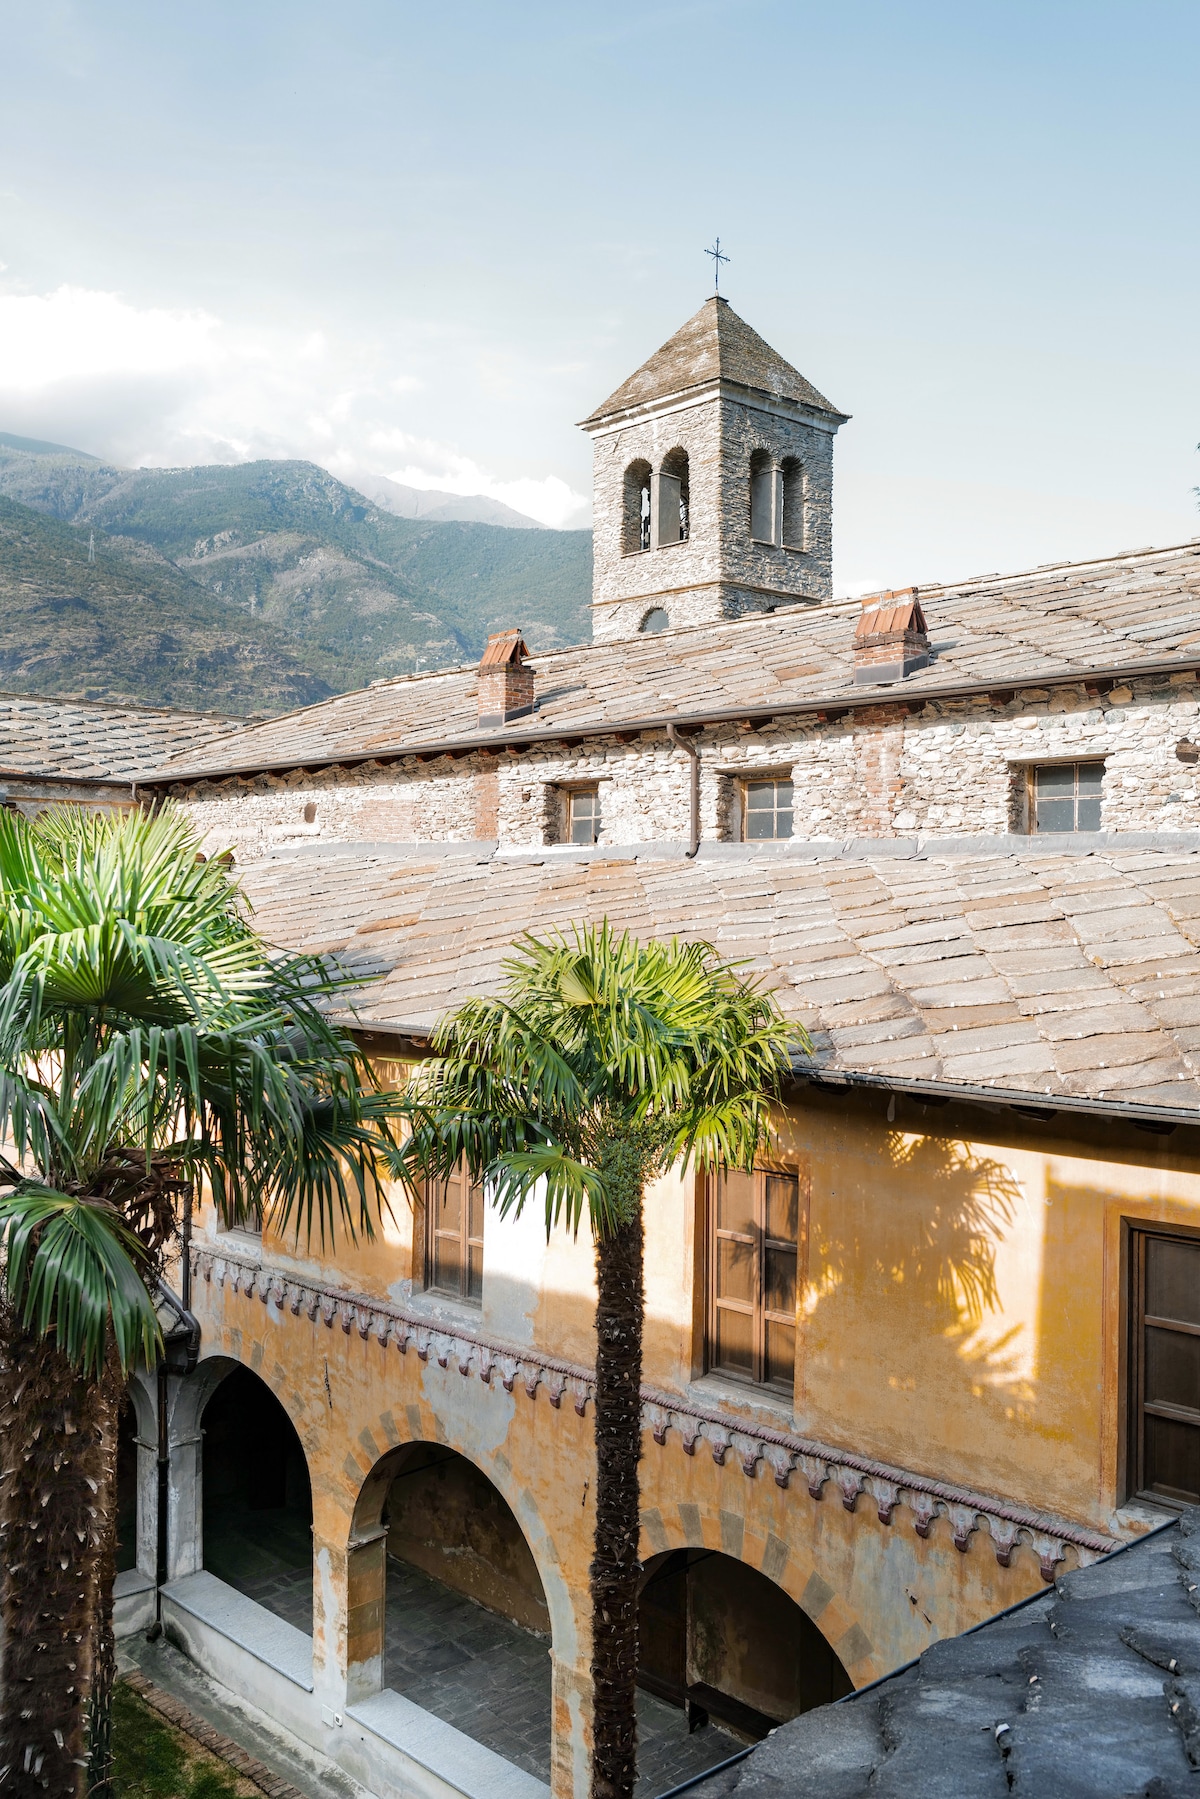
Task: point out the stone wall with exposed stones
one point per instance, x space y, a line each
719 572
953 768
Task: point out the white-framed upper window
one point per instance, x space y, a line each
766 808
583 815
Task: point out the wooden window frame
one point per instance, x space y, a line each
570 795
1136 1321
775 778
1029 772
757 1310
465 1241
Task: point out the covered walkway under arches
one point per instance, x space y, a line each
724 1643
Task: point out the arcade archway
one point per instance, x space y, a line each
257 1499
730 1647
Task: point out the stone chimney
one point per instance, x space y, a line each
891 640
505 679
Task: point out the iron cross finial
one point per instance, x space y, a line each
718 258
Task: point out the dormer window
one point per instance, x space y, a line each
766 809
1066 796
583 815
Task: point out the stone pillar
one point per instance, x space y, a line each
366 1596
143 1399
185 1476
570 1730
665 491
331 1562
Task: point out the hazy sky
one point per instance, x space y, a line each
424 240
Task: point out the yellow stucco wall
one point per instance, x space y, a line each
960 1316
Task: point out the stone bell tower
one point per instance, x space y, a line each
713 483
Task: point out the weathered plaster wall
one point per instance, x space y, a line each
963 1296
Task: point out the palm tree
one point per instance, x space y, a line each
602 1063
149 1040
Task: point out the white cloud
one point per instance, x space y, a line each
156 387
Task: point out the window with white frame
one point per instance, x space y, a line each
766 808
583 814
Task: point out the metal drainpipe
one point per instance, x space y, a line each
185 1246
689 749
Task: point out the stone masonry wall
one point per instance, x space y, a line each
718 572
955 768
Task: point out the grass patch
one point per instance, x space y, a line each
153 1760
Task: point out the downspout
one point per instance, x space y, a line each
189 1325
689 749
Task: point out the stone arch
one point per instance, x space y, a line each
367 1499
675 497
430 1529
256 1497
763 498
722 1640
657 619
795 504
190 1399
635 523
787 1565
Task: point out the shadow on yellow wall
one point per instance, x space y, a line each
905 1331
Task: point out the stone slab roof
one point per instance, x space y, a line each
1007 631
1089 1692
1012 966
88 739
714 345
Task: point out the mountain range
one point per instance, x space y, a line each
257 586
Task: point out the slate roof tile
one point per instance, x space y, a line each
94 741
1009 631
1072 1016
1070 1697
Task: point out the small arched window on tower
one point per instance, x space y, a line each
655 620
636 528
765 498
672 500
795 524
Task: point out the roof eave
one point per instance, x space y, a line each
839 700
615 417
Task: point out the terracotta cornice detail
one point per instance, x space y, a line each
820 1466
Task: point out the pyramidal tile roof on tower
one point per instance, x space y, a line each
714 345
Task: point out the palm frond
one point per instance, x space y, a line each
72 1268
595 1038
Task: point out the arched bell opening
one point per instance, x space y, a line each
635 520
729 1647
464 1627
257 1498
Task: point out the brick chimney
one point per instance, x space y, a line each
891 640
505 679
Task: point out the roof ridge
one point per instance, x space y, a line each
67 699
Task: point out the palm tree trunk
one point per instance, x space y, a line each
104 1641
53 1455
616 1567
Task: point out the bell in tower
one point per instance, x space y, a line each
713 483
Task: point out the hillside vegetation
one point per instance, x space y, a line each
129 626
277 559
